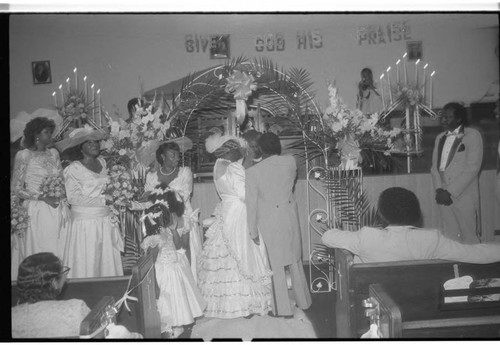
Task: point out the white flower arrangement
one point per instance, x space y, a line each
19 219
119 189
53 186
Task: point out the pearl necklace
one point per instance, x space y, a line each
170 173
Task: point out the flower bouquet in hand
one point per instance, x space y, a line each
53 186
119 190
18 217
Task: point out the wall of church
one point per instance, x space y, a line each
122 53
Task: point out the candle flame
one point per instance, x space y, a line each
67 80
405 55
60 86
382 76
426 65
53 93
433 73
98 91
388 69
418 61
397 62
75 70
85 78
92 86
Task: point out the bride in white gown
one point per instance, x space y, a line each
234 275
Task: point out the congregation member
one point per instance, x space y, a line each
38 314
133 106
179 179
272 212
48 215
368 99
235 279
402 238
94 242
179 301
456 161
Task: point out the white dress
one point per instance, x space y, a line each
180 301
234 274
94 243
183 184
45 232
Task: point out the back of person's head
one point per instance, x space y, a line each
399 206
36 276
231 149
459 111
251 135
166 202
175 203
270 144
155 218
131 106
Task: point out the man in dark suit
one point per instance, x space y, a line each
456 161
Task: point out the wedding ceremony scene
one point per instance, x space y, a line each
254 176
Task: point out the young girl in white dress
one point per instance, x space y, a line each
180 301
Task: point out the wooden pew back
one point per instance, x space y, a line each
414 285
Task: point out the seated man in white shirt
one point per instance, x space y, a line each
403 239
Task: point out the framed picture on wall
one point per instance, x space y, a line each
41 72
219 47
414 50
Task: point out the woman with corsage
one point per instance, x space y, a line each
94 242
177 178
47 215
234 274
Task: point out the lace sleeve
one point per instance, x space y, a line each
19 176
150 242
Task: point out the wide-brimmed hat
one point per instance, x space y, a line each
147 154
215 141
79 136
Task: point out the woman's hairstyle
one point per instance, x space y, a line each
73 153
34 127
270 144
459 111
399 206
164 147
229 146
170 197
35 276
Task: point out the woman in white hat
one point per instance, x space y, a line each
47 215
94 243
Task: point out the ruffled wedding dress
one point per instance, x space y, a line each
45 232
234 275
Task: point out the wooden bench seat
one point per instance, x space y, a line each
414 286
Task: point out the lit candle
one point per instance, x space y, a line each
85 87
55 98
62 96
404 67
423 84
76 78
93 101
416 72
382 88
389 80
397 70
99 106
430 91
67 84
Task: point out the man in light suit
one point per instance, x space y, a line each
456 161
272 209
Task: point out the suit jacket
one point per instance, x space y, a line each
460 177
272 209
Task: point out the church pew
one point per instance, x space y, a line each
415 287
389 316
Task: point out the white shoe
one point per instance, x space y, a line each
178 331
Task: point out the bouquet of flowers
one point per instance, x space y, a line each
409 94
18 217
53 186
352 131
120 189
